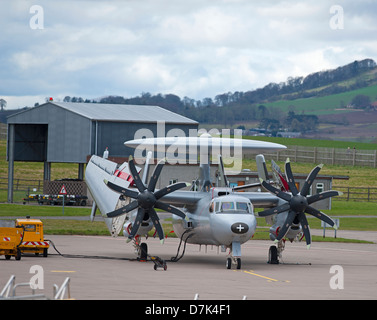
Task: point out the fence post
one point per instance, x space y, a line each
315 155
375 159
333 156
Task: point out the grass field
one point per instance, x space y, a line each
347 211
359 176
317 143
323 105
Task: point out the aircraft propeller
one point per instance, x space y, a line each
146 199
298 203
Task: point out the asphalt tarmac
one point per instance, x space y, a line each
102 268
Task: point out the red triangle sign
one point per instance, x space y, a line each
63 190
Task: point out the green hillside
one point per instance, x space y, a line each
317 143
324 105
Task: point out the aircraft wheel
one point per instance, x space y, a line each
238 263
273 255
228 263
143 253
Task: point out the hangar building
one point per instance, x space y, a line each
71 132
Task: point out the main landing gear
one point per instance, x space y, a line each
275 252
142 252
273 255
142 256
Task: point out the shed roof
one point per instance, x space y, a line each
122 112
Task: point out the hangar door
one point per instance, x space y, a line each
30 142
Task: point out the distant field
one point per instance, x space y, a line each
317 143
359 176
323 105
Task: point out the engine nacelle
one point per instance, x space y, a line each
144 228
274 231
293 231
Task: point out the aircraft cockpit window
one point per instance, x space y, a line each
226 206
242 206
233 207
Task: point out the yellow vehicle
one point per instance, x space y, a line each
10 241
33 240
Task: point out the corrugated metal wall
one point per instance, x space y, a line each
72 137
114 134
68 138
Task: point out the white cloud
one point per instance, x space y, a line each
189 48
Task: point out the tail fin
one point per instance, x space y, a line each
223 178
261 167
146 167
106 200
279 176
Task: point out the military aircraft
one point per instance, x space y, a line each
220 216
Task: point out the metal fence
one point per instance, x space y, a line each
334 156
365 194
3 131
22 185
21 188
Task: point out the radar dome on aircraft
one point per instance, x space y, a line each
205 143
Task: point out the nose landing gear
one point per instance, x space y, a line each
235 256
233 260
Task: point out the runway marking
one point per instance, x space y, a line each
264 277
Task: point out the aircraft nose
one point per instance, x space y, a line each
239 228
233 227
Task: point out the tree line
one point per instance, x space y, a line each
230 108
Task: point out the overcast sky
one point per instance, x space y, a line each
194 48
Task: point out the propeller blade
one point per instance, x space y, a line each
320 215
155 175
156 222
290 179
309 180
135 226
139 184
126 192
288 222
279 193
169 208
173 187
324 195
305 228
129 207
282 208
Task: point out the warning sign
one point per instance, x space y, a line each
63 191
